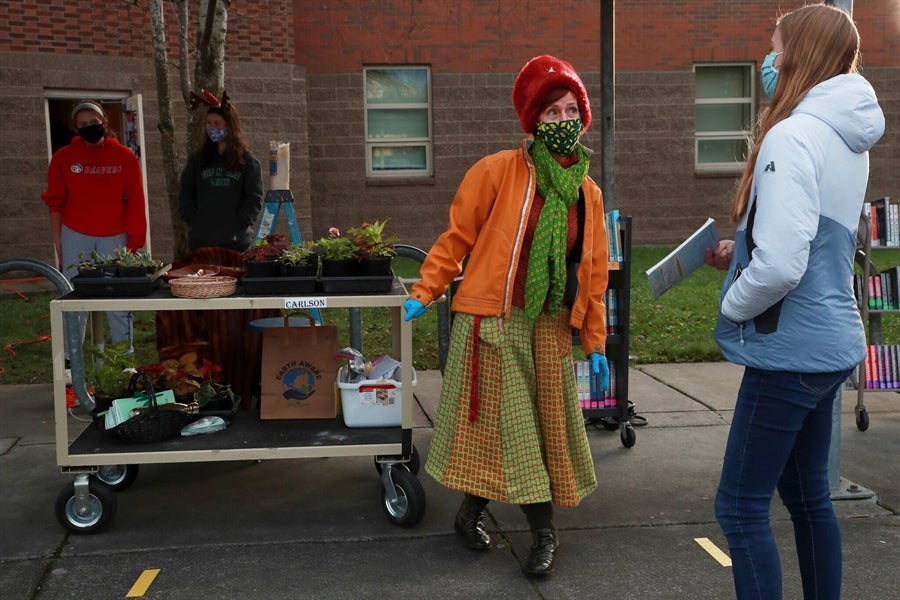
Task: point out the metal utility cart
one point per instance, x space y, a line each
101 464
871 315
617 346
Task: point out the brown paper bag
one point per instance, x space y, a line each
299 372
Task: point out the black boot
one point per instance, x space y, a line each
544 542
470 523
542 554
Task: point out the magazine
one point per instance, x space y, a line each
683 260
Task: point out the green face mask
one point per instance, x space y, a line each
561 136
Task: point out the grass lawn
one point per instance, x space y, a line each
677 327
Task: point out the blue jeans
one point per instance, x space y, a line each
780 437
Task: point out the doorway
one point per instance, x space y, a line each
126 122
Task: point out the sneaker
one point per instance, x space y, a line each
67 377
71 398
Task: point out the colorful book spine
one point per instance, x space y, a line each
613 228
895 363
870 368
612 312
879 299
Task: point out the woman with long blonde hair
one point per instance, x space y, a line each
787 311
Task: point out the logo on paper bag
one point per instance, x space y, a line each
299 379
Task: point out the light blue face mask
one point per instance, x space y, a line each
217 134
769 73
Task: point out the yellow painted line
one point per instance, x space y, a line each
142 584
713 550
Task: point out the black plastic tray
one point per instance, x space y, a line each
357 285
277 286
114 287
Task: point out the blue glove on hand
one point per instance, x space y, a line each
600 367
413 309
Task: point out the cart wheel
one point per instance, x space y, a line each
629 437
118 477
101 508
862 418
410 505
412 465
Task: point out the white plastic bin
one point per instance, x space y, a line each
371 402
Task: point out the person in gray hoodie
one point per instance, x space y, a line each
787 309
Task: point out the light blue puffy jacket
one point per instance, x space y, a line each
787 303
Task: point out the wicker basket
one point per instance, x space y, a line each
156 423
217 286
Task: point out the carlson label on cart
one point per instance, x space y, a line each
297 377
305 303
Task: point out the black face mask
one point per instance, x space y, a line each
92 133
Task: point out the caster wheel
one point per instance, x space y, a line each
862 419
118 477
629 437
99 511
413 465
409 507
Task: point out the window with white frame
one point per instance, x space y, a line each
398 121
724 115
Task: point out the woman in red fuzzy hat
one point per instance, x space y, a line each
509 426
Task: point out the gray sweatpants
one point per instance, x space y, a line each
73 244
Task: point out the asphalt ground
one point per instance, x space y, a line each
315 528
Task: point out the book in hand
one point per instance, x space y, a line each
689 256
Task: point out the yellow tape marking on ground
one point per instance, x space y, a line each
713 550
142 584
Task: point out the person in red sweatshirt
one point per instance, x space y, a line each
95 195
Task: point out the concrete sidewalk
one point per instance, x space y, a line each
315 528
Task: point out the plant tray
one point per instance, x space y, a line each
114 287
277 286
357 285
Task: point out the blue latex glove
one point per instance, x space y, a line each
413 309
600 367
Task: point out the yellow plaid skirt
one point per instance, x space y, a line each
509 426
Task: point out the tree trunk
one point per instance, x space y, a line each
166 124
209 69
209 73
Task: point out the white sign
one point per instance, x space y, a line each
315 302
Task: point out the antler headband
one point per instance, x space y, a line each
210 100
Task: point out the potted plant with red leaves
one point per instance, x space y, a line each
192 379
263 258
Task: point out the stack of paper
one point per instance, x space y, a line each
122 409
683 260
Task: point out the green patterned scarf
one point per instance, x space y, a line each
546 277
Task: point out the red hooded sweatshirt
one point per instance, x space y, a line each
98 189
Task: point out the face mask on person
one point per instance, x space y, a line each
216 134
560 136
769 73
92 133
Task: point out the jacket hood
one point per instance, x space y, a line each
848 104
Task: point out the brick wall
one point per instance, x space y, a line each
271 97
471 36
657 44
258 31
474 49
